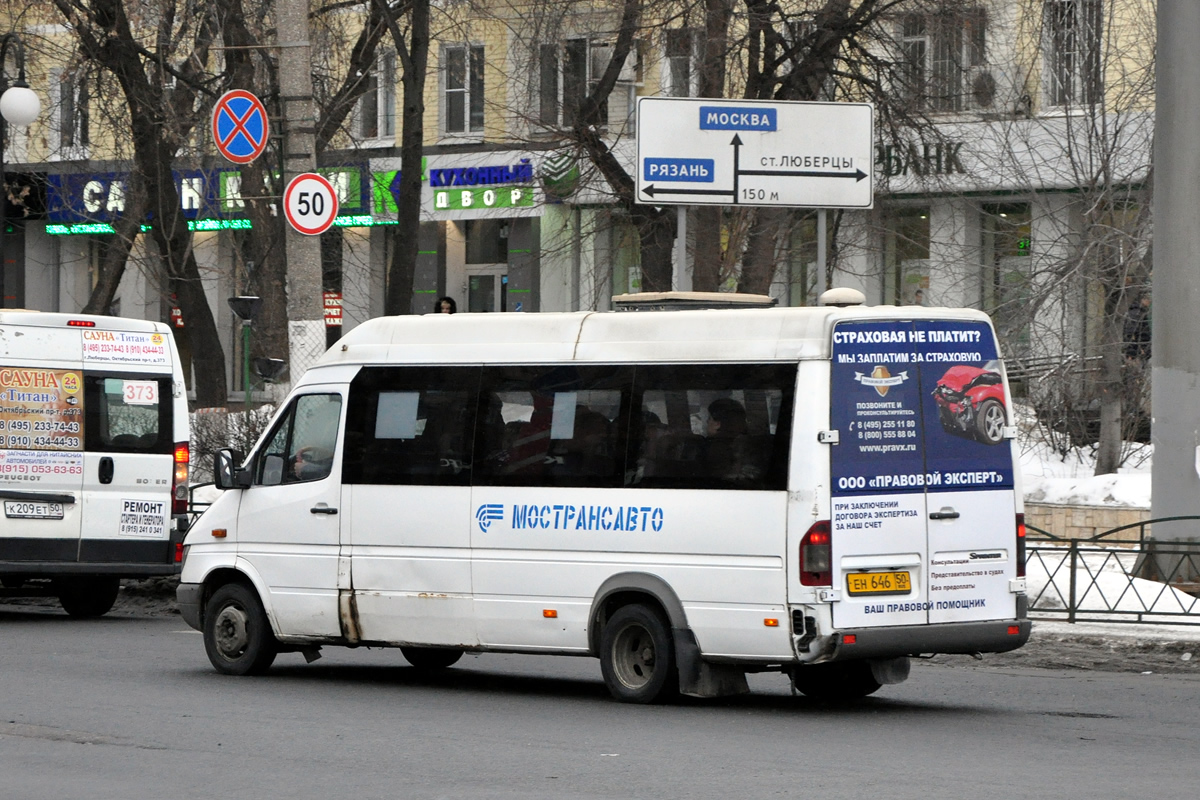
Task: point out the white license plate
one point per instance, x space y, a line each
22 509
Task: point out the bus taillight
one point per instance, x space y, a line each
1020 545
816 556
179 484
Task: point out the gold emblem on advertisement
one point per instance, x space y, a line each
881 372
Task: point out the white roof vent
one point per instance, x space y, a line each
841 297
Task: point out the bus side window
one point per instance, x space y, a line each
411 426
553 425
712 426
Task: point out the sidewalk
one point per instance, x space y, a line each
1117 647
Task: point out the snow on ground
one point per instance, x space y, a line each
1052 477
1103 579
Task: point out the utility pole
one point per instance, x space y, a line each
1175 358
306 326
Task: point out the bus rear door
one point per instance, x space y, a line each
923 501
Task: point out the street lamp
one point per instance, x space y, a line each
19 105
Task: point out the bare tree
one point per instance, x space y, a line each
160 123
171 60
752 49
1087 294
408 24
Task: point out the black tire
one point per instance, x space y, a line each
837 682
431 658
989 422
87 596
237 633
637 656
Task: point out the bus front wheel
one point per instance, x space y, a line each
637 656
237 633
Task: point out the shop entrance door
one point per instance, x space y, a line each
487 287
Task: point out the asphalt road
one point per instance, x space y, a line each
128 707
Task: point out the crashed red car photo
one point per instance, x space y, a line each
970 402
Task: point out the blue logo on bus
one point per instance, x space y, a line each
488 513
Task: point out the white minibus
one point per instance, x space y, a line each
687 496
93 456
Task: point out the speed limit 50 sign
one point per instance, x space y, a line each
310 204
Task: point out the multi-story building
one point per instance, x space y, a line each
1038 119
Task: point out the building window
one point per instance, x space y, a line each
567 72
73 118
942 51
1072 36
1006 239
680 70
377 106
463 105
906 256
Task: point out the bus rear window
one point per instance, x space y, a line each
128 413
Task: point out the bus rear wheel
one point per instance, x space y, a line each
637 656
88 596
837 682
431 658
237 634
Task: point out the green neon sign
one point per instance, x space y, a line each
96 228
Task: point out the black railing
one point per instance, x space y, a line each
1113 578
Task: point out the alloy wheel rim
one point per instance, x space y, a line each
995 423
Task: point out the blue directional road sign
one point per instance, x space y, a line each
703 151
239 126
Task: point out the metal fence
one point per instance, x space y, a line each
1121 575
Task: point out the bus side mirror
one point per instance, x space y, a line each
226 474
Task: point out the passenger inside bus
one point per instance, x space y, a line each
725 451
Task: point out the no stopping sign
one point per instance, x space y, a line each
310 204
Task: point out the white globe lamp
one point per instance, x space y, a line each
20 105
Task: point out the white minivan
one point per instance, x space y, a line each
686 495
93 456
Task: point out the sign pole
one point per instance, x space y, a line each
822 268
680 248
305 311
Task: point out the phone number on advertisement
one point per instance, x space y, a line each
61 443
40 426
40 469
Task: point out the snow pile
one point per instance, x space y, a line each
1052 477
